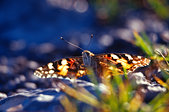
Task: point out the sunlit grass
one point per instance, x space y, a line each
144 45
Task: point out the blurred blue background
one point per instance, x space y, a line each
42 21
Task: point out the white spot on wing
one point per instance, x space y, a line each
134 62
50 65
64 62
81 71
48 76
60 77
51 71
54 75
139 57
40 68
114 56
129 57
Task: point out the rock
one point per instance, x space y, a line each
2 95
43 100
150 89
30 85
12 101
40 100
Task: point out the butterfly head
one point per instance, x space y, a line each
88 53
87 57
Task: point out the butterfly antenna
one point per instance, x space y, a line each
90 41
71 43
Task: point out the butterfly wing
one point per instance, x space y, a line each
121 61
74 67
67 67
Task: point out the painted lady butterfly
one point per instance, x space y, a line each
77 66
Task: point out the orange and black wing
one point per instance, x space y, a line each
67 67
121 61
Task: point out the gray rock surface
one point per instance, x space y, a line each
48 100
41 100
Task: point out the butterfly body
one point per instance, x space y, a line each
77 66
87 58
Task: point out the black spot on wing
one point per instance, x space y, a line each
124 56
72 70
130 61
118 65
55 65
68 59
114 59
108 55
59 62
68 64
56 70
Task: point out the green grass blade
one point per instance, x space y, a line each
143 45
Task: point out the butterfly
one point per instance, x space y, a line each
76 67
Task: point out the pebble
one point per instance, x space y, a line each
21 90
3 95
22 78
165 35
136 24
30 85
33 64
